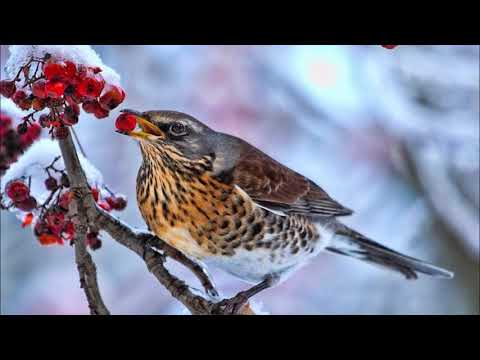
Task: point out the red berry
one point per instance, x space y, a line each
101 113
65 199
54 71
33 133
112 97
38 89
104 205
95 194
50 239
389 46
70 116
5 121
55 89
93 241
17 190
21 99
51 183
5 127
117 202
70 70
27 220
69 230
61 132
38 104
26 205
40 227
7 88
96 69
55 221
70 95
90 106
91 86
22 128
126 122
44 121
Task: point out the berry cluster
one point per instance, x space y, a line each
53 225
14 141
61 87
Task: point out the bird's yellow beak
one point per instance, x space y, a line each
149 131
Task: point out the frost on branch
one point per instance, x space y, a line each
53 83
78 54
36 188
36 159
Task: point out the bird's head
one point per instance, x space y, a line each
174 132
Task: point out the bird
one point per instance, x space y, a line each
223 202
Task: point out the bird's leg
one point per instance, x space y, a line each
197 269
233 305
152 242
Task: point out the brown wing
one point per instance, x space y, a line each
276 187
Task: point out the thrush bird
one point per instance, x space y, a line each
220 200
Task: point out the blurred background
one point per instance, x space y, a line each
392 134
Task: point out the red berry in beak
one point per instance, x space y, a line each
38 89
126 122
55 89
112 97
7 88
17 190
389 46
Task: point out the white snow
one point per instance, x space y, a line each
79 54
258 307
36 159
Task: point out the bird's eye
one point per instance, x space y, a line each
178 129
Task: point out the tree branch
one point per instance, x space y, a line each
85 265
149 247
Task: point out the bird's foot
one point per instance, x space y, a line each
233 305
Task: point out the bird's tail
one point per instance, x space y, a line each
351 243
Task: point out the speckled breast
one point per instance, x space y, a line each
208 219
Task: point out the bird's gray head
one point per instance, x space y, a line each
168 129
180 134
